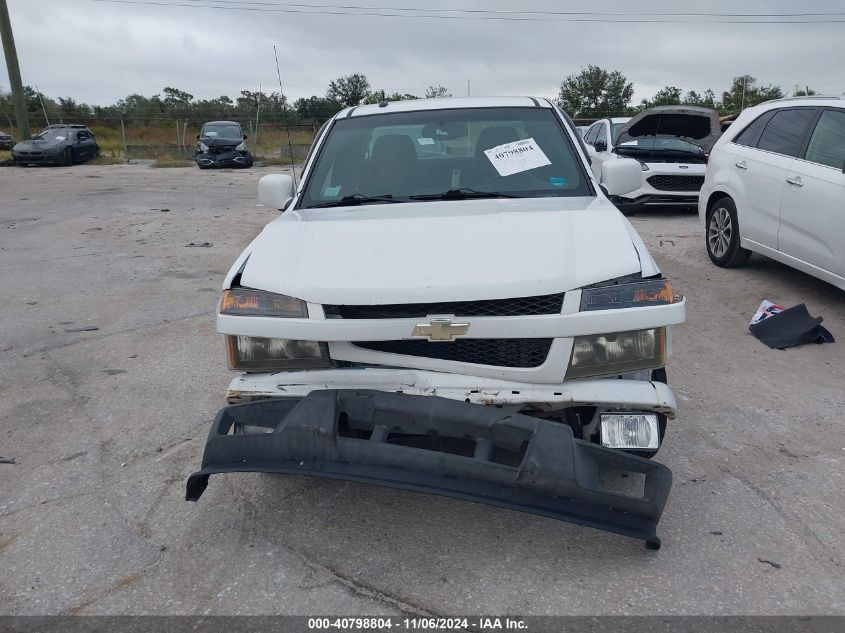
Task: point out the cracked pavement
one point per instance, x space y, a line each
104 425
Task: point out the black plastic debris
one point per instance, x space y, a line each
791 327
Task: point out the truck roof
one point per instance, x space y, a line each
415 105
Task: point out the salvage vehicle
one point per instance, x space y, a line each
6 141
222 144
482 323
672 144
59 144
776 186
600 138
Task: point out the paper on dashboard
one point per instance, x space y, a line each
516 157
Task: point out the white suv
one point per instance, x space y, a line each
775 185
670 142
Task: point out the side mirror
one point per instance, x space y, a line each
600 146
198 137
276 191
621 176
244 136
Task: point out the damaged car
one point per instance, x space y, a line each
6 141
672 144
58 144
222 144
481 323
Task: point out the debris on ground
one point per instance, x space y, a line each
780 327
199 244
84 328
7 460
770 562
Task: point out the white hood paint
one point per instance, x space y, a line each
441 251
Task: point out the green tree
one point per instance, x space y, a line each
437 92
806 91
706 100
349 90
377 96
595 92
670 95
177 101
317 109
744 93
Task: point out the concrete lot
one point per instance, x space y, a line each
104 426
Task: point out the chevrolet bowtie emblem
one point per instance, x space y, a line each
440 329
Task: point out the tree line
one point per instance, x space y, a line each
592 93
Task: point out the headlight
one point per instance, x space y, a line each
202 146
608 354
636 295
241 147
248 353
249 302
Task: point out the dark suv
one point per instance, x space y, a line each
62 144
222 144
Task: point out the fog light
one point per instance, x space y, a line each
630 431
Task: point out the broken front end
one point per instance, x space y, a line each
218 155
490 455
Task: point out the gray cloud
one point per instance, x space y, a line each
100 52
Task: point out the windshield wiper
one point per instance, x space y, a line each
462 193
354 200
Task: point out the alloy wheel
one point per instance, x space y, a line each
720 232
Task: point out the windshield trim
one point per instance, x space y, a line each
309 168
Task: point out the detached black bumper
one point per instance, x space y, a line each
232 159
430 444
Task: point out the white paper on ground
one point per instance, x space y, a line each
766 309
516 157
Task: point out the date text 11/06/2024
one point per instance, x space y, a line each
418 624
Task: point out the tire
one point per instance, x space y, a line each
68 156
722 237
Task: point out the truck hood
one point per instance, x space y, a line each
696 125
441 251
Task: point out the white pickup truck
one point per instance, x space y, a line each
449 303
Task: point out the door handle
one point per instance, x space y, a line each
795 181
742 165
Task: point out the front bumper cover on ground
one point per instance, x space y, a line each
428 444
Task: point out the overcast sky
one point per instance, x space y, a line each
99 52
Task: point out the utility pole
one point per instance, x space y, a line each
14 71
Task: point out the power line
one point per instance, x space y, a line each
511 12
224 5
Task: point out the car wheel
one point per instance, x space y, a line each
68 156
722 236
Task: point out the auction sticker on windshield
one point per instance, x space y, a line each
516 157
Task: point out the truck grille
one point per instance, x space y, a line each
523 306
676 183
527 352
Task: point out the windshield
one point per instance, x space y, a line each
417 156
222 130
615 129
53 134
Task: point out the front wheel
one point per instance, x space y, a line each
723 239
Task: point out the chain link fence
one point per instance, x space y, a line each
174 139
